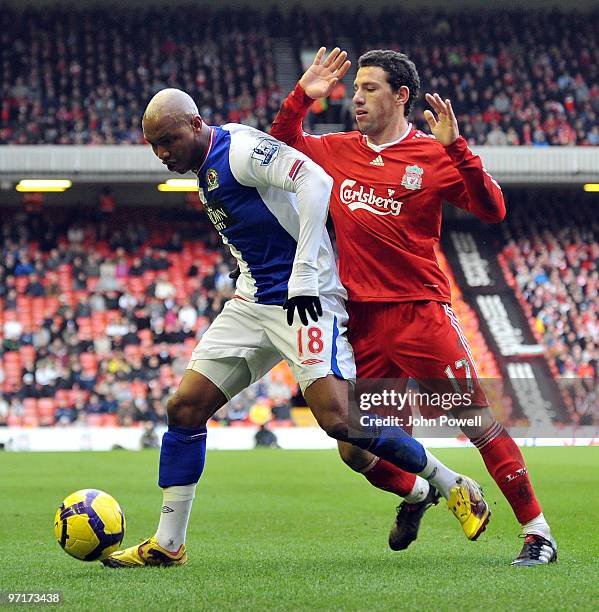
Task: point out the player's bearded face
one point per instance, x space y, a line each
374 101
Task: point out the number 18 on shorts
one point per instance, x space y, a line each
259 334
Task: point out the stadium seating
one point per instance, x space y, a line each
124 345
551 260
66 81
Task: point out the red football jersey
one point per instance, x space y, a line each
386 203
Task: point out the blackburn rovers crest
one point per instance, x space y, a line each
412 179
212 179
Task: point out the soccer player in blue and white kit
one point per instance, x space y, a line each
269 203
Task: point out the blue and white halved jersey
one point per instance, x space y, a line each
269 203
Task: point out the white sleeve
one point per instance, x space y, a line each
258 160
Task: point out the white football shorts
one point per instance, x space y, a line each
246 340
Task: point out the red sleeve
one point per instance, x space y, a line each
287 126
466 184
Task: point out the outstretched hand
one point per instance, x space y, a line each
445 126
320 78
304 304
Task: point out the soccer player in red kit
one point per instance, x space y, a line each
390 181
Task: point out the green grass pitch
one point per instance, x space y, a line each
297 530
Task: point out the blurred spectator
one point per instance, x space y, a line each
97 303
163 288
34 287
188 315
4 411
149 438
106 203
265 437
65 413
108 280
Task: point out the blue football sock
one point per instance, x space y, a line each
182 456
395 446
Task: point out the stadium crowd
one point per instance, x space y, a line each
83 76
552 253
97 323
513 80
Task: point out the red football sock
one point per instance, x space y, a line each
386 476
506 464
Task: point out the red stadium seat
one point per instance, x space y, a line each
24 304
46 421
110 420
148 277
139 388
89 361
30 406
27 352
14 421
63 394
46 407
94 420
30 421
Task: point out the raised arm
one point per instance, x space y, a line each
317 82
472 187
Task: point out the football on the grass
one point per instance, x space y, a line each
89 525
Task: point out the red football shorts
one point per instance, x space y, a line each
420 340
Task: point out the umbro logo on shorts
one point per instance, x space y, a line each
312 361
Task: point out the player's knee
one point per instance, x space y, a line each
332 417
335 428
354 457
176 412
334 422
183 412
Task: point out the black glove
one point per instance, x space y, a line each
235 274
303 303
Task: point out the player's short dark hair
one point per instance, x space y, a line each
400 70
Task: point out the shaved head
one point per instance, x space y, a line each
170 103
173 126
